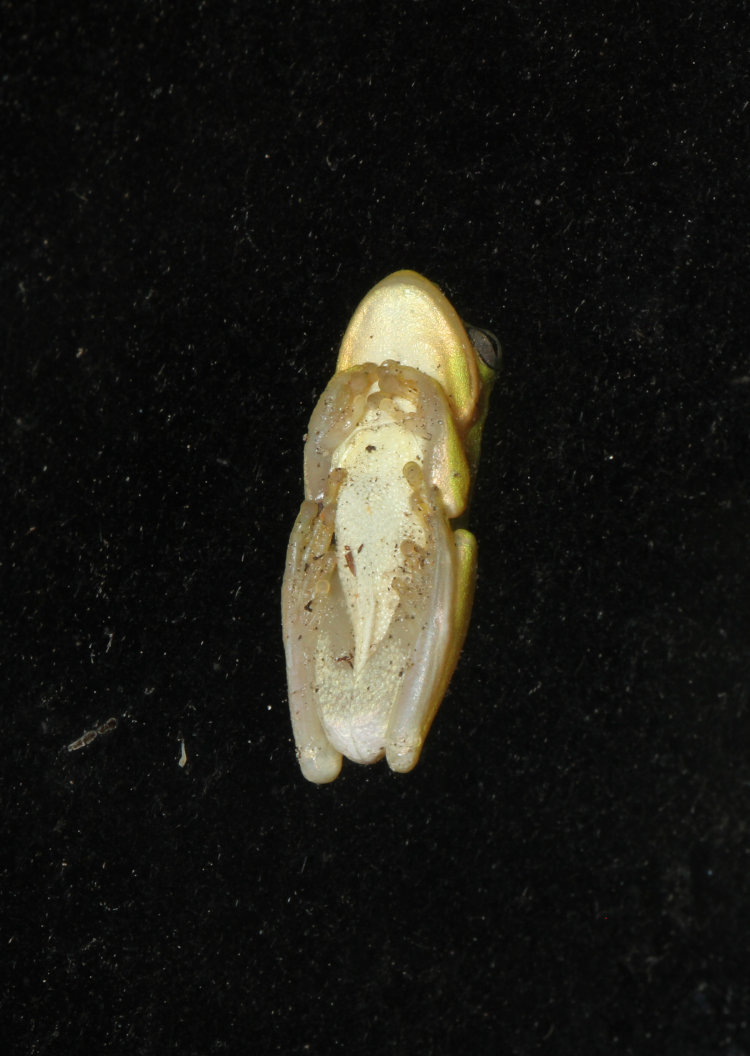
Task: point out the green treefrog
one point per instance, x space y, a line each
380 568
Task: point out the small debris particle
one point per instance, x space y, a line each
83 741
349 558
90 735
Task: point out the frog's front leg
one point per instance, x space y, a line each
339 410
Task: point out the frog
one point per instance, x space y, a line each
380 569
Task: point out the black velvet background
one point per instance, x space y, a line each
194 198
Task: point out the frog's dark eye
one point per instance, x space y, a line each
486 345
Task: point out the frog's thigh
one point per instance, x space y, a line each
428 670
416 710
318 759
